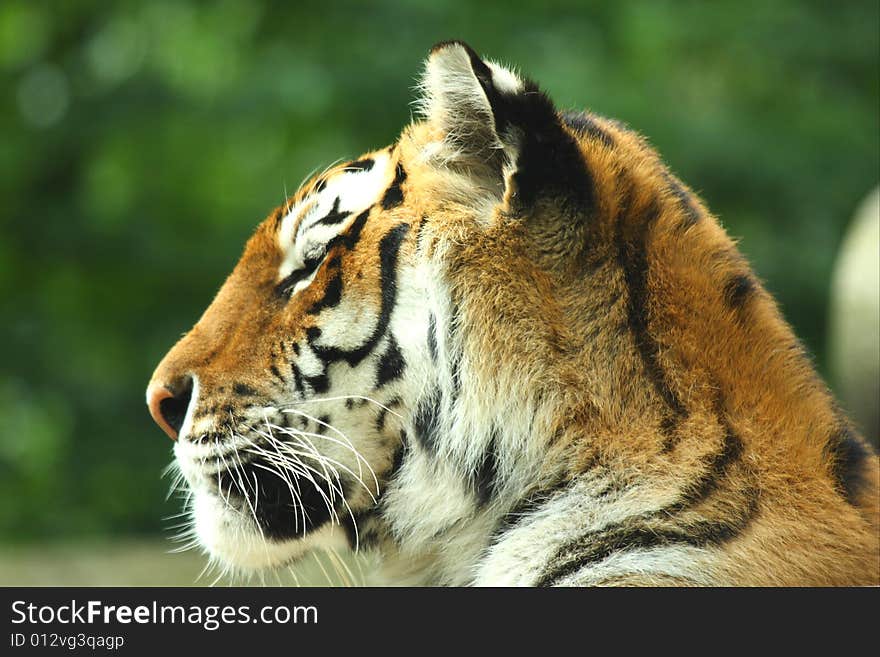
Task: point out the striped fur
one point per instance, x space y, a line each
554 360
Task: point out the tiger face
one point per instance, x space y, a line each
282 397
333 350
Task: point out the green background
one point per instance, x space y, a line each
141 143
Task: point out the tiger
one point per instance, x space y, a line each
512 349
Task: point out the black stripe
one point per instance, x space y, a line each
362 536
731 452
383 413
274 370
389 249
297 378
380 417
455 366
319 383
367 530
848 454
352 235
243 390
334 216
598 546
642 532
399 457
686 201
484 478
394 194
738 290
391 364
279 214
332 296
633 259
321 426
426 420
422 223
364 164
577 555
584 124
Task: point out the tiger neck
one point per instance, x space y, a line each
540 378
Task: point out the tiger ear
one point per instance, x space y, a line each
501 129
462 99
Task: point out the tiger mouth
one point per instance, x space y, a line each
272 480
283 503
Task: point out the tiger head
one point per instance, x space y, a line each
320 383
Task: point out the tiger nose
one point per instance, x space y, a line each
168 404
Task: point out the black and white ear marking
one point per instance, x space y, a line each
496 125
462 98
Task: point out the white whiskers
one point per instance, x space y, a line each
317 470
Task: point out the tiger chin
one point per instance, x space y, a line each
512 348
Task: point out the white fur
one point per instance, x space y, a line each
230 536
504 79
300 231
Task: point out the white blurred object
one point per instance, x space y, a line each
854 330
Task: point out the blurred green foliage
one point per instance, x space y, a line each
141 142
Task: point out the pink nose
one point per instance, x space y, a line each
167 408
